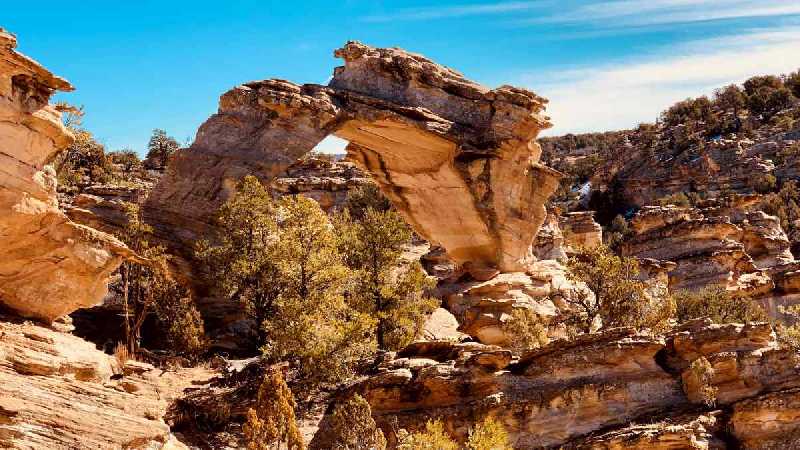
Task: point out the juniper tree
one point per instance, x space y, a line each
160 148
620 296
384 287
280 260
353 428
271 423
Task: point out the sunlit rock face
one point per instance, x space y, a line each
50 266
616 389
455 158
734 246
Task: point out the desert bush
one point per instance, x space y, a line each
433 438
525 330
126 158
789 333
620 296
488 435
353 428
271 422
697 383
718 304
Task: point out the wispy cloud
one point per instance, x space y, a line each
623 13
628 92
430 13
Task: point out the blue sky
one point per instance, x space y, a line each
603 64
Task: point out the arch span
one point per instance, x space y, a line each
458 160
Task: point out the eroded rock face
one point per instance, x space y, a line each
551 396
57 391
325 180
482 307
727 246
455 158
612 390
50 266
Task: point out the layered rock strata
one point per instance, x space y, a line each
58 391
50 265
325 180
616 389
455 158
728 246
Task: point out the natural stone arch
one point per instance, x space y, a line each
457 159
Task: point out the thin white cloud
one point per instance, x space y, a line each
621 95
624 13
430 13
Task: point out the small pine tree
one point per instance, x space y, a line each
621 298
160 148
488 435
271 422
433 438
372 245
353 427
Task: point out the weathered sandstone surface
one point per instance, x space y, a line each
731 246
455 158
50 265
723 165
325 180
615 389
58 391
482 307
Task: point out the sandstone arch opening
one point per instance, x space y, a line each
456 159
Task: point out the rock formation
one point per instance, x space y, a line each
50 265
58 391
731 245
325 180
613 390
455 158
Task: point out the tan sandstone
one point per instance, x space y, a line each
50 266
455 158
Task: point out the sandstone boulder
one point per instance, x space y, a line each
57 391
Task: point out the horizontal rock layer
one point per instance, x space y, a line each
616 389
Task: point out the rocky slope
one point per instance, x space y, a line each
59 391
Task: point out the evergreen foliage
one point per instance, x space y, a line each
621 297
718 304
271 422
353 427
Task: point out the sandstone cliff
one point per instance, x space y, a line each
50 265
616 389
728 245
